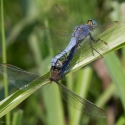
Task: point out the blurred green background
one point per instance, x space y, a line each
25 50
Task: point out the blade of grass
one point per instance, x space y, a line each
3 47
121 120
20 95
117 74
17 117
103 99
4 57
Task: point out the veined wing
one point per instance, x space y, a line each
61 20
104 27
55 39
19 77
79 103
60 37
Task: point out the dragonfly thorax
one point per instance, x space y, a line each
81 32
55 74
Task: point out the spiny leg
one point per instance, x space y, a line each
90 42
96 40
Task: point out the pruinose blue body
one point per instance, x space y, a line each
67 62
79 34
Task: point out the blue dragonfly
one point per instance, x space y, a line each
23 80
83 35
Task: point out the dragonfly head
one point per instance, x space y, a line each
92 23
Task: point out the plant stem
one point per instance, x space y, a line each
4 57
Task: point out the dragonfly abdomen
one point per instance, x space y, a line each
66 50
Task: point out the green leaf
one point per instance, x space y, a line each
16 98
17 117
117 74
121 120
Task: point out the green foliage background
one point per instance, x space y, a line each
25 50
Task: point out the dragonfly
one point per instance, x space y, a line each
22 79
68 31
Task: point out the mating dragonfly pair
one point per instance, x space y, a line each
77 35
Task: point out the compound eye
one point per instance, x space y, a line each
94 24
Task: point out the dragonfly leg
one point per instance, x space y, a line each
96 40
90 42
101 41
79 43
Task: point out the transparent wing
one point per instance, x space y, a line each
79 103
61 20
19 77
59 38
102 28
55 39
